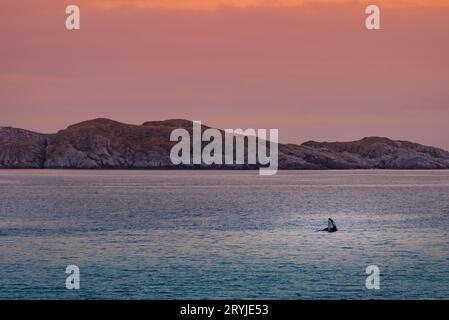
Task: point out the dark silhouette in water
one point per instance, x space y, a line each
331 226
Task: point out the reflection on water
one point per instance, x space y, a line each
217 234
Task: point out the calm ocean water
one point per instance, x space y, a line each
223 234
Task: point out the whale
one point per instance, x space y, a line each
331 226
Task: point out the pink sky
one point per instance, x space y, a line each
312 70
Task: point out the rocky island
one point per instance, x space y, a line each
108 144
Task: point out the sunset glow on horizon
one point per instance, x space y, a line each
309 68
216 4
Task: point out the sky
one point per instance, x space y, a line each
308 68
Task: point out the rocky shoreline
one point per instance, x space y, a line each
108 144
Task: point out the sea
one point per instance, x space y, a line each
224 234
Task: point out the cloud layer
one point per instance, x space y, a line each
216 4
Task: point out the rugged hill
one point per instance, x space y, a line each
106 144
21 148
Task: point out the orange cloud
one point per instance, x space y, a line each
216 4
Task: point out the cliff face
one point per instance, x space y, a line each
368 153
103 144
21 148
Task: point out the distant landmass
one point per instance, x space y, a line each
108 144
